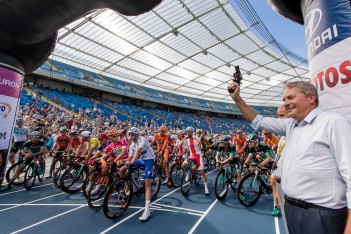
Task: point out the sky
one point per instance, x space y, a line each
287 32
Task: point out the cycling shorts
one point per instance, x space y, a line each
16 146
148 165
198 160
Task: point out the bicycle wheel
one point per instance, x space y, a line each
29 177
176 174
117 198
11 171
72 179
186 181
57 174
41 176
155 184
89 181
97 192
249 190
221 185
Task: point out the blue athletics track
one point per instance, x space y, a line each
45 209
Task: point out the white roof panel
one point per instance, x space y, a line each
187 47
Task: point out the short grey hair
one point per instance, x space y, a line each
305 87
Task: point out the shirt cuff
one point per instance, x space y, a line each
348 196
257 122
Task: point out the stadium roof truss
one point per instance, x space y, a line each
182 47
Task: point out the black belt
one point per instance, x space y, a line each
300 203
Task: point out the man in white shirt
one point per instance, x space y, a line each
316 166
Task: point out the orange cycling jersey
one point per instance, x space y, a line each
62 142
239 143
161 140
272 140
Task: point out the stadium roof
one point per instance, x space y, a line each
182 47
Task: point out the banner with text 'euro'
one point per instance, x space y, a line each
10 91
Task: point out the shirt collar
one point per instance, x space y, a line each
310 117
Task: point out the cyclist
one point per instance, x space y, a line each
142 156
115 151
179 145
103 139
193 146
62 142
200 138
227 149
259 152
75 142
162 148
240 143
20 135
33 148
88 144
270 140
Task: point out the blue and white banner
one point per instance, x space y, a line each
328 40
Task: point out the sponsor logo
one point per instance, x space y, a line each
10 83
316 36
313 19
332 76
5 110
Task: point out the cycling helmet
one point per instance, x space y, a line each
191 129
142 132
239 131
134 131
72 133
151 138
63 129
265 132
199 130
102 136
163 129
131 129
35 134
20 120
113 132
215 135
85 134
251 137
173 137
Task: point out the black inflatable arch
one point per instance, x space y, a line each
28 28
290 9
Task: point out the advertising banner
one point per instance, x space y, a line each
328 40
10 91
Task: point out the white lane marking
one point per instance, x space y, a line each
130 216
276 223
9 208
178 208
21 190
45 220
202 217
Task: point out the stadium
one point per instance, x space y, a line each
161 76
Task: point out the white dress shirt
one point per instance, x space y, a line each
316 165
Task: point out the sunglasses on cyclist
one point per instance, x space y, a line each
115 136
251 142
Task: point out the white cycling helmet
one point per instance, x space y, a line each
189 129
85 134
